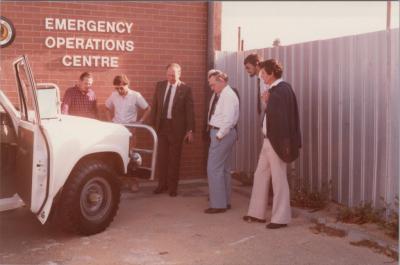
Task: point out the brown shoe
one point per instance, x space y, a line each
251 219
159 190
215 210
275 226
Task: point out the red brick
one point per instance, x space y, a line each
162 33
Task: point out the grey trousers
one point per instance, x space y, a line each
219 168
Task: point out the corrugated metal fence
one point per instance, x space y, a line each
348 94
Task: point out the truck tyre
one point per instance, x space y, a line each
90 198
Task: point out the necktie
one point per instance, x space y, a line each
166 103
258 96
213 104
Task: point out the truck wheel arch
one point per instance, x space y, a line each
111 158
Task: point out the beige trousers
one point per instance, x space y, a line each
270 165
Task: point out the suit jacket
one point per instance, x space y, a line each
182 108
283 129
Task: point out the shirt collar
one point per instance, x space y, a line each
275 83
224 90
175 85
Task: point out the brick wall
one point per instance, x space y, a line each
162 33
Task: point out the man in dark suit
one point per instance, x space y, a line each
172 116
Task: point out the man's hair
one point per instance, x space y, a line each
219 75
174 65
272 66
121 80
253 59
85 75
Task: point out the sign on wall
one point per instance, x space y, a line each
7 32
89 44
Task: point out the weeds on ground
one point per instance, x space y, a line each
383 250
302 196
330 231
243 177
365 213
391 224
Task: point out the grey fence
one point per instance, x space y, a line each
348 94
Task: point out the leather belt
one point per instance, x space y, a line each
212 127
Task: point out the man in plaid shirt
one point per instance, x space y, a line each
80 100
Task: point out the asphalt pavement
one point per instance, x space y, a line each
158 229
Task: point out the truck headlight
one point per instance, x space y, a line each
136 158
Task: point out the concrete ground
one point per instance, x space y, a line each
158 229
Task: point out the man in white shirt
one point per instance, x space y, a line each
282 141
123 103
122 107
223 116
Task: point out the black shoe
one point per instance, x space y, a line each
229 207
215 210
251 219
159 190
275 226
173 193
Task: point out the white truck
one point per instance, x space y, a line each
64 168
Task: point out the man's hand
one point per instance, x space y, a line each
189 137
219 139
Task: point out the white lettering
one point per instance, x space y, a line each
105 61
80 25
48 23
66 60
120 27
120 45
71 24
87 61
60 42
61 24
50 42
89 45
79 43
97 44
101 26
91 25
70 43
111 27
129 27
129 46
96 60
76 60
114 62
110 45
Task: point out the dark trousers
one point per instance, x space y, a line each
169 156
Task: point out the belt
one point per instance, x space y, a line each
212 127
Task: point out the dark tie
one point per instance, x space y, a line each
258 96
213 104
166 103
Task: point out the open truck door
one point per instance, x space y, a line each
33 157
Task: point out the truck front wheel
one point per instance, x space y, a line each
90 198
